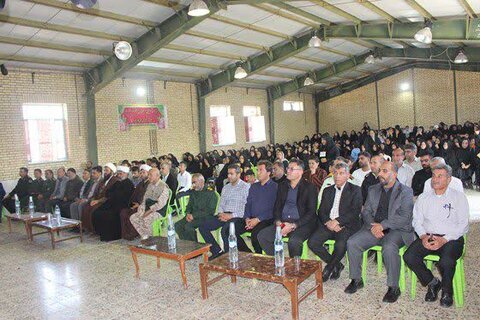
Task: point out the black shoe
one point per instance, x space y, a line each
327 272
432 291
391 295
354 286
446 300
337 270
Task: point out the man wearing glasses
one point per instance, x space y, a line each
294 211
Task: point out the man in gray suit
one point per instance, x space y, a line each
387 221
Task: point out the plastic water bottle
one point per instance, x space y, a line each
17 205
172 241
278 245
232 245
31 207
58 216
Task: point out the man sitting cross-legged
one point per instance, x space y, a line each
201 207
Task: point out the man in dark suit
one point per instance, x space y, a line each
294 210
372 177
22 190
339 218
169 179
387 221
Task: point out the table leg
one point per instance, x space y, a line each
28 230
158 262
319 282
81 233
135 261
9 225
292 287
52 236
233 279
182 270
204 281
205 257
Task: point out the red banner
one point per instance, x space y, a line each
154 115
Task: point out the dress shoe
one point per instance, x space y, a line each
446 300
327 272
391 295
432 291
337 270
354 286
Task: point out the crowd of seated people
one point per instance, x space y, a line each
394 187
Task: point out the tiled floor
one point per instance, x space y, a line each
96 280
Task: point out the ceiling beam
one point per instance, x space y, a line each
76 49
252 27
286 15
438 53
52 62
62 28
275 75
174 5
143 47
204 52
213 37
337 11
468 9
313 59
158 71
367 4
414 4
317 75
300 12
335 91
463 30
93 12
284 66
255 63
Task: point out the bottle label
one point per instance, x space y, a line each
232 244
171 233
278 247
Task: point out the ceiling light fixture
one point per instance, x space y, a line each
315 42
84 4
122 50
240 73
405 86
461 57
424 35
141 92
308 82
370 59
3 69
198 8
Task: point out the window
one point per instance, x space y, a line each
45 132
223 126
254 124
293 106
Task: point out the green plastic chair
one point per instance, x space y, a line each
158 224
255 171
217 232
183 202
378 250
285 239
459 287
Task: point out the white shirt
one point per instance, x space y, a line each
455 183
416 165
405 175
326 183
336 202
445 214
184 181
359 175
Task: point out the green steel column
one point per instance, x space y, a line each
202 124
377 103
455 95
92 146
317 111
271 116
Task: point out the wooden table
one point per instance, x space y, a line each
53 227
27 220
255 266
158 247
